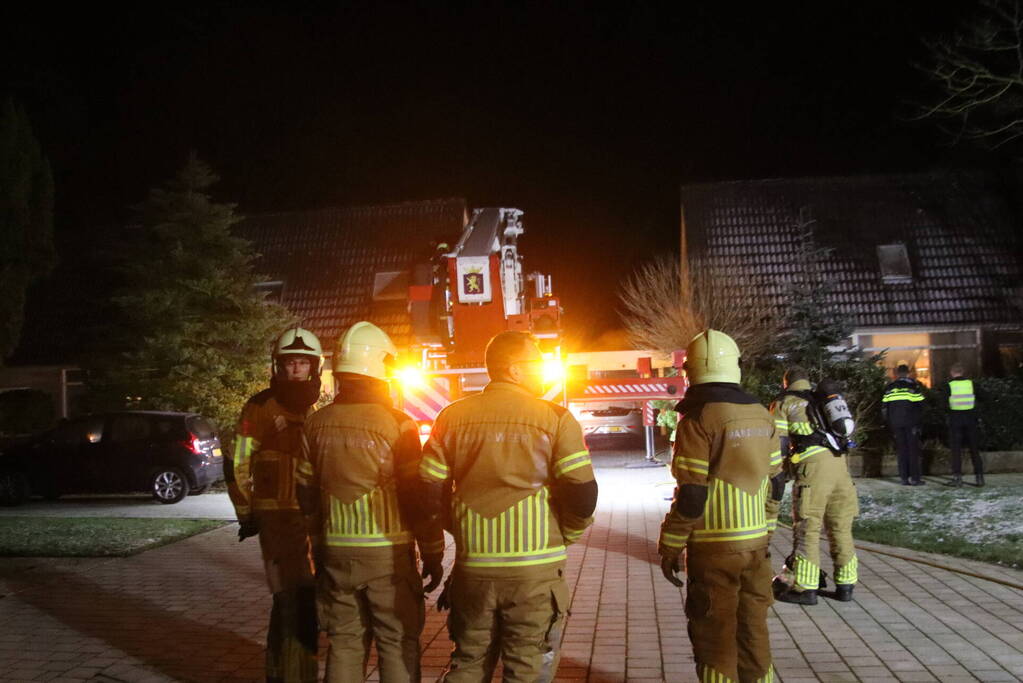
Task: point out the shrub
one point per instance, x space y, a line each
1001 413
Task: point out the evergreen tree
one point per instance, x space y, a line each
26 220
816 338
814 326
194 334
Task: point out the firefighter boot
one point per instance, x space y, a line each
956 480
798 597
980 478
843 592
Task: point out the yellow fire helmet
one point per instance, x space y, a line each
297 341
365 349
712 356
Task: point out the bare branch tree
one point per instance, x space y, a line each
665 306
977 76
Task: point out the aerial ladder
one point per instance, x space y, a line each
464 296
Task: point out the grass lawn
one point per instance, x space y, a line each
92 536
976 523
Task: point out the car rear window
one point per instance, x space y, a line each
167 428
130 428
201 427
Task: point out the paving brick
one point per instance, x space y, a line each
126 619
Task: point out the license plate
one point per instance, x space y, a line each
615 430
216 452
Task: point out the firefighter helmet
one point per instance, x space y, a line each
712 356
365 349
296 341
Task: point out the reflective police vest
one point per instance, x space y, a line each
960 394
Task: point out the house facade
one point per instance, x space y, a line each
925 267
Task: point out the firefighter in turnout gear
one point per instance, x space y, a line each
960 396
511 476
823 496
261 483
359 475
726 462
902 405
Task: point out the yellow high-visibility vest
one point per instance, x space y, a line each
961 396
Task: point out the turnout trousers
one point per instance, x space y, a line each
291 639
963 431
518 621
823 496
727 598
364 599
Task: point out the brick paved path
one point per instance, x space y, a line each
197 610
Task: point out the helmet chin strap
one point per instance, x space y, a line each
296 396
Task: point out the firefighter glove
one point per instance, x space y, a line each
432 568
671 568
444 600
246 529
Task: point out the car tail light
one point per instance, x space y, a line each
194 444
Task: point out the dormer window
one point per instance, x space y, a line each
390 285
894 261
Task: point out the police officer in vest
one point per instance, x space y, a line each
511 475
960 395
902 406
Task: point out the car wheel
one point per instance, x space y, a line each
199 491
169 485
13 488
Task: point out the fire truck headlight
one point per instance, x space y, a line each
553 370
411 376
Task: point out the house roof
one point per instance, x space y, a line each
959 233
328 259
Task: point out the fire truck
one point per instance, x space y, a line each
464 296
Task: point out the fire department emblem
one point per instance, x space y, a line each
472 281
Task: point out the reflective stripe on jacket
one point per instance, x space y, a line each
792 410
360 462
902 402
505 454
260 471
728 444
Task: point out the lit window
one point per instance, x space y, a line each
894 262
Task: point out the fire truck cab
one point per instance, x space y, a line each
462 298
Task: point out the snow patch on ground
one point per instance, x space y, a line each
995 514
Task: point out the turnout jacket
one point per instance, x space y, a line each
512 477
902 402
801 439
260 471
358 473
726 451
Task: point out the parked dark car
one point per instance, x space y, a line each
170 455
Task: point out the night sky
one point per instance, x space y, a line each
587 120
